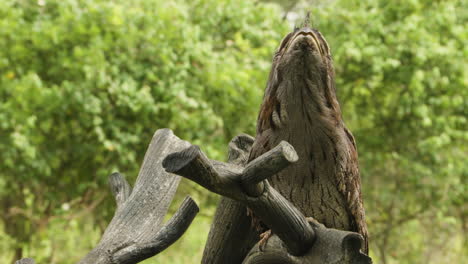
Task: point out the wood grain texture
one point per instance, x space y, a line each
280 156
165 237
136 231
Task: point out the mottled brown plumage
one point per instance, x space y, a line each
300 106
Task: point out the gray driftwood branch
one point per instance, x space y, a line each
297 239
136 231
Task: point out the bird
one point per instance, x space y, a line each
300 106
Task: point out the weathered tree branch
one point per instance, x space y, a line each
228 180
166 236
239 149
135 233
265 166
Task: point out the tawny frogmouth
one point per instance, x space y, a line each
300 107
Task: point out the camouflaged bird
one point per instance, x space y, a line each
300 107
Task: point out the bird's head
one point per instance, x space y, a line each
301 77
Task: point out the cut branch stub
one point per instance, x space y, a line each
192 163
228 180
267 165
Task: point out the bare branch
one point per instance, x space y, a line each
135 233
267 165
284 219
227 180
166 236
192 163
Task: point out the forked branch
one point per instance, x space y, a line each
248 186
136 231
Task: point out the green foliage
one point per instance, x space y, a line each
84 84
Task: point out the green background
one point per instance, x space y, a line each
85 83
